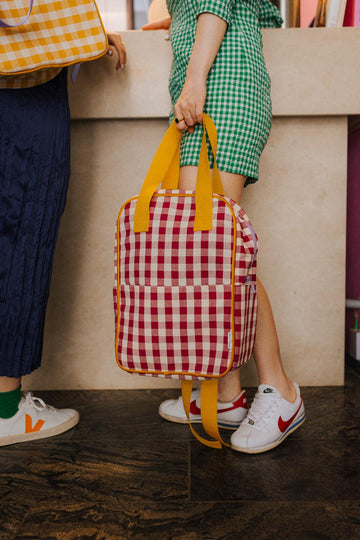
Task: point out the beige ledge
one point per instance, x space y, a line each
314 71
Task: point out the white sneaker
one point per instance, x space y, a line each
270 419
230 414
35 420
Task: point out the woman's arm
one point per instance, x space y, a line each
209 35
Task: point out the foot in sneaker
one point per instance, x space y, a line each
270 419
35 420
230 414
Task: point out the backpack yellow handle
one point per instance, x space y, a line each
171 180
208 397
165 163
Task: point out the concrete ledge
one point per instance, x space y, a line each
314 71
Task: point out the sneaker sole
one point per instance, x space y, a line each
178 420
51 432
274 444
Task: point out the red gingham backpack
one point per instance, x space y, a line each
185 285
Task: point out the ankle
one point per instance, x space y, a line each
285 387
7 384
9 403
228 395
288 392
229 387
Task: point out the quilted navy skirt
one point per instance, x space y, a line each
34 175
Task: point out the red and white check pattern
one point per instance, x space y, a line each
185 306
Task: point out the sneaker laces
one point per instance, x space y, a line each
263 408
33 402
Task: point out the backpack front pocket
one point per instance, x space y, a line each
185 330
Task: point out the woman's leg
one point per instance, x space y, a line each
8 384
230 385
266 351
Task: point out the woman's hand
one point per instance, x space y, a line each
116 43
163 24
189 107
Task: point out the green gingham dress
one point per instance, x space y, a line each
238 85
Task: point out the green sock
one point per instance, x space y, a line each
9 403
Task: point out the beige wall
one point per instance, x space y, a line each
297 207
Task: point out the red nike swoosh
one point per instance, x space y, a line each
194 409
241 402
283 425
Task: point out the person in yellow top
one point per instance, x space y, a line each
34 176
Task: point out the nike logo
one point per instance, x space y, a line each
284 424
29 427
194 409
241 402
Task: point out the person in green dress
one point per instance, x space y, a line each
218 68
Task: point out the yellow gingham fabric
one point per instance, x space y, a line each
58 33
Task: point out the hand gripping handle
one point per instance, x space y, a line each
165 166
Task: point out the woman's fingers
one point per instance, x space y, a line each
180 118
180 124
116 42
163 24
184 119
189 120
183 125
189 107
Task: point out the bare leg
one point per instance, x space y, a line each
230 385
267 350
7 384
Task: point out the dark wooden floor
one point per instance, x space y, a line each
126 473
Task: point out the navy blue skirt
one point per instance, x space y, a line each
34 176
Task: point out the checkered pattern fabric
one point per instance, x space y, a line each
221 8
238 85
28 80
185 300
57 34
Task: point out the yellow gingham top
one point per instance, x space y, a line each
57 34
27 80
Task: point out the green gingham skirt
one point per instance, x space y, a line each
238 85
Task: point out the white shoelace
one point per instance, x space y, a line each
263 408
32 402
